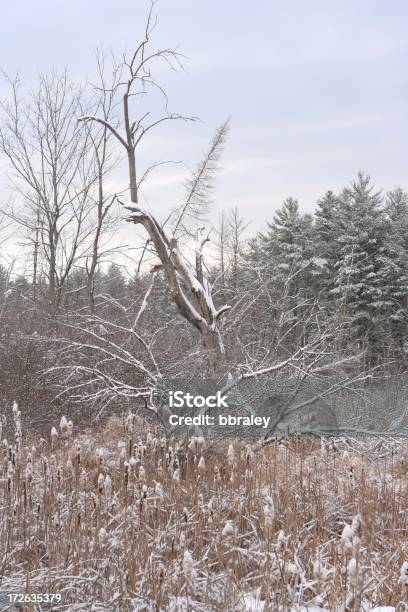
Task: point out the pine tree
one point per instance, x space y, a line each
113 282
396 265
359 282
289 257
327 246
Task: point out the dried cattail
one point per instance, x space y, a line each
17 424
44 462
103 536
101 483
201 465
130 419
71 467
29 472
356 524
282 541
141 449
188 568
346 538
269 512
10 475
100 456
200 442
231 455
64 427
78 454
159 490
83 479
228 530
122 453
249 454
107 486
352 570
54 437
404 574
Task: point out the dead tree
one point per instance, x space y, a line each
102 360
190 289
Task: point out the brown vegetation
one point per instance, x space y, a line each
122 519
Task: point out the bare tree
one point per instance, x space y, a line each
190 289
103 201
52 170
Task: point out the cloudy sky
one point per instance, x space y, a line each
315 90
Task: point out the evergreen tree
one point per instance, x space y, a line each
289 257
359 282
113 282
396 265
327 219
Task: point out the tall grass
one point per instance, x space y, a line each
121 519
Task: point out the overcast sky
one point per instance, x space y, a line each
316 90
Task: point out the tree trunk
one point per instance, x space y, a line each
52 285
35 262
214 348
132 175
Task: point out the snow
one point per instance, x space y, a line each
251 603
